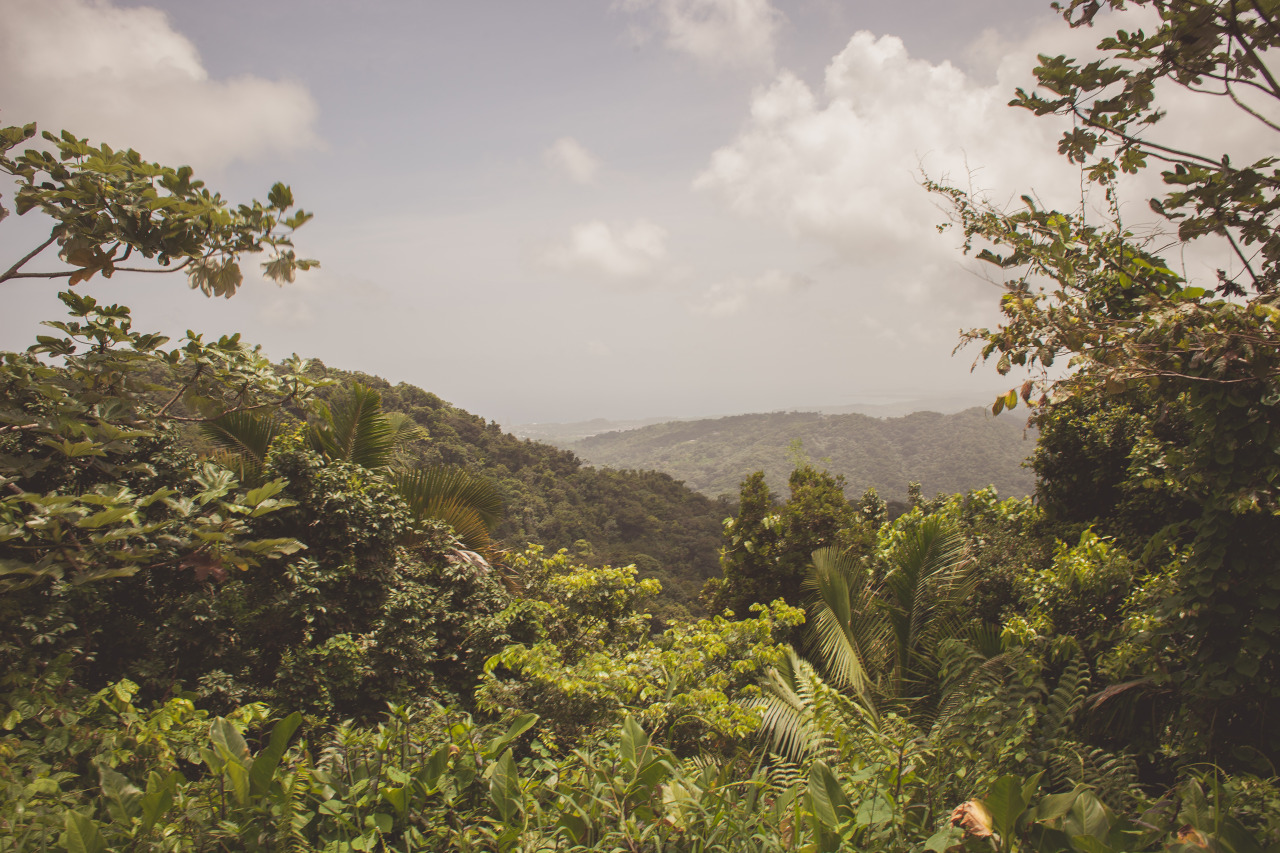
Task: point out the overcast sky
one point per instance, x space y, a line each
552 210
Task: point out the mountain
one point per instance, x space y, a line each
944 453
565 434
602 515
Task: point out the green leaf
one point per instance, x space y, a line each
632 742
107 516
81 834
1056 805
435 767
397 798
944 839
125 797
471 505
504 787
239 776
266 762
1006 803
519 726
828 797
159 797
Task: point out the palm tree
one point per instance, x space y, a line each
845 630
928 581
879 642
883 638
355 429
243 439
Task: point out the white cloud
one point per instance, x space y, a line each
568 155
733 296
619 251
843 166
124 76
719 33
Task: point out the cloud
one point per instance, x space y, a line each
718 33
841 165
567 155
618 251
733 296
124 76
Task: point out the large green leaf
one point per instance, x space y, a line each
1005 803
81 834
519 726
504 787
830 805
266 762
846 630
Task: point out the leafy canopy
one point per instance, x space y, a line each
114 211
1088 287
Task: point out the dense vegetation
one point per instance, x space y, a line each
603 516
943 453
247 606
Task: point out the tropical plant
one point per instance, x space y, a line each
355 429
471 505
245 439
86 453
112 207
596 659
1205 356
881 637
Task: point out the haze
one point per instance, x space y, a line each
571 209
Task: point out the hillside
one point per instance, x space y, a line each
944 453
644 517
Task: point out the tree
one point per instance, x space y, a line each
880 638
96 481
1205 355
767 549
112 208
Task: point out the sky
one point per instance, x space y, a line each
567 209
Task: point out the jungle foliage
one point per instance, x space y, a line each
240 608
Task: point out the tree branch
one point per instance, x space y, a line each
1257 64
1250 110
180 266
12 272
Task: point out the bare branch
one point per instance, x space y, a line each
12 272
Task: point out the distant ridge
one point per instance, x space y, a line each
943 452
565 434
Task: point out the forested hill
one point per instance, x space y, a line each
644 517
944 453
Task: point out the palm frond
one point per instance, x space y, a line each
355 430
471 505
844 629
928 579
244 438
404 429
787 705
